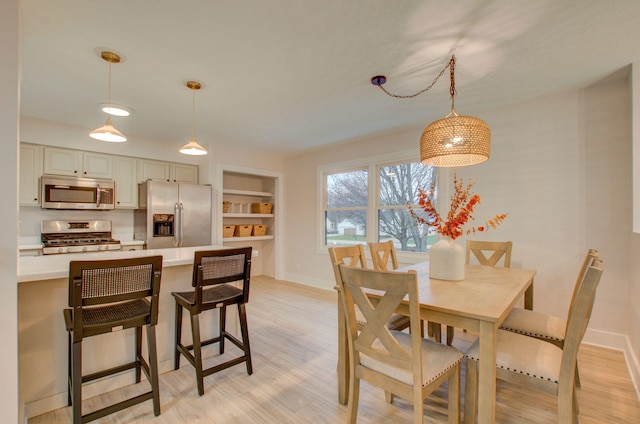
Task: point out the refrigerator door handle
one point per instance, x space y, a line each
177 223
181 224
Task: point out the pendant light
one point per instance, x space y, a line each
108 132
192 147
454 140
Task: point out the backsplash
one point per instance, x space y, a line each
31 217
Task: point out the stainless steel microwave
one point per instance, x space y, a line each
59 192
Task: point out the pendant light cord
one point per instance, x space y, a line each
193 113
451 64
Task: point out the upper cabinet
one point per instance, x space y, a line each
124 175
30 172
167 171
76 163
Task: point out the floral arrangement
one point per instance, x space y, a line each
462 204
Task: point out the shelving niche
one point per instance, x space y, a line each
242 187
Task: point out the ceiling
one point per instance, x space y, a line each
291 75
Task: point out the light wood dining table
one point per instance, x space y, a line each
479 303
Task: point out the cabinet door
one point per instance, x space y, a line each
153 170
96 165
126 183
30 171
62 161
183 173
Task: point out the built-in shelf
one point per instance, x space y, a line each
252 238
247 215
247 193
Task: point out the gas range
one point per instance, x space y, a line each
77 237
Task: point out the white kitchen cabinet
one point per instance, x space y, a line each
153 170
76 163
184 173
125 177
30 171
167 171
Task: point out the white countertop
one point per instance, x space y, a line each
47 267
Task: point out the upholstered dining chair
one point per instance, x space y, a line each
354 256
544 326
385 258
488 253
405 365
107 296
214 272
534 363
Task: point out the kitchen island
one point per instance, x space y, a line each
42 338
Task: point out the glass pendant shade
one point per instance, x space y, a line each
108 133
455 140
193 148
115 110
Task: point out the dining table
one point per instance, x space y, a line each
479 303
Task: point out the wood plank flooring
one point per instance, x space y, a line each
293 340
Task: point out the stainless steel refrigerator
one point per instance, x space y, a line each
173 214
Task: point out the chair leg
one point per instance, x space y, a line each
153 367
454 396
197 352
69 367
418 406
176 353
450 332
354 394
470 391
138 352
76 383
242 314
388 396
223 324
566 401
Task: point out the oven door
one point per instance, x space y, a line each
77 193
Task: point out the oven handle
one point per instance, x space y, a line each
98 195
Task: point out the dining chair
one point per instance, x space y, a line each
488 253
406 365
354 256
107 296
384 254
543 326
213 273
533 363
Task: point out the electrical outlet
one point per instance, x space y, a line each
255 253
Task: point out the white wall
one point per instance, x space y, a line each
560 166
9 122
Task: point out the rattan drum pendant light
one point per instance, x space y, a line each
193 147
454 140
108 132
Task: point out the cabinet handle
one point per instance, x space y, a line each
85 172
35 199
75 172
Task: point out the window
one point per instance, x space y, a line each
368 202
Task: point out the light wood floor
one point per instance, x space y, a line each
293 340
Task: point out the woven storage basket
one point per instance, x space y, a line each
243 230
227 230
259 230
225 206
261 208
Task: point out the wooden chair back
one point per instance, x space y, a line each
381 254
374 339
213 267
348 255
497 250
588 260
93 283
578 320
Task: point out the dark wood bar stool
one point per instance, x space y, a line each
107 296
212 271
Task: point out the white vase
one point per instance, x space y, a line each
446 260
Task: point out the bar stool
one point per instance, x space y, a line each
107 296
212 271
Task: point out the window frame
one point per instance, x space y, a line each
372 165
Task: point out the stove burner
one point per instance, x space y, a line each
79 239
